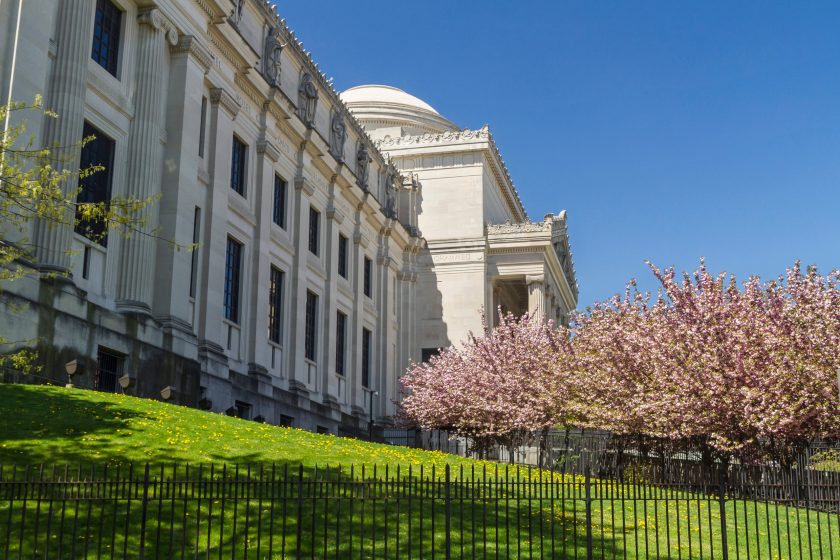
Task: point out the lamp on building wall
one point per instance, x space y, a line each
167 392
126 381
370 420
71 368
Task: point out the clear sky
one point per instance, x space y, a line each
667 130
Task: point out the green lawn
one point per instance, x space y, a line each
493 511
55 425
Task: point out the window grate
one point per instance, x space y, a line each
109 368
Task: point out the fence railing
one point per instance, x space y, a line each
486 511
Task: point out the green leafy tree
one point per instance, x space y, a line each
36 185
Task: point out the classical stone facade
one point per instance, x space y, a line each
481 251
339 238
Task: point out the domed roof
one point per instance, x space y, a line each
380 107
373 93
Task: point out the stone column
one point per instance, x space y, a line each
536 296
66 96
145 151
263 192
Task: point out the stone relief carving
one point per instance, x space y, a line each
338 133
442 138
362 165
236 14
527 227
271 56
307 99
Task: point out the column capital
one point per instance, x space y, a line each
190 45
156 19
269 150
220 96
535 279
333 213
304 184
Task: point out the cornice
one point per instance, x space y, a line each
461 137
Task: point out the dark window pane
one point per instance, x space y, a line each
96 187
279 202
342 255
237 166
366 358
202 125
106 35
314 230
194 256
368 280
427 353
275 305
233 265
340 336
311 325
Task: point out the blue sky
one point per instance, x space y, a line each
668 130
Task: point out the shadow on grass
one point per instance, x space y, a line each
60 421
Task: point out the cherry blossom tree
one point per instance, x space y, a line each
501 386
748 371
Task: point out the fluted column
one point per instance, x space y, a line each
66 96
136 270
536 296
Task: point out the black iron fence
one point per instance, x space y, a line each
484 511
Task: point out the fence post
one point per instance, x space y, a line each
299 512
144 508
722 502
448 510
588 517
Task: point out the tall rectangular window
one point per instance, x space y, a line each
275 305
106 36
194 254
368 279
366 341
237 166
233 269
314 230
340 338
342 255
279 214
96 187
310 346
202 127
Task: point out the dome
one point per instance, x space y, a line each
386 108
384 94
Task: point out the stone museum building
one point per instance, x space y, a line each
338 237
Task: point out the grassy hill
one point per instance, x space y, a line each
55 425
329 514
